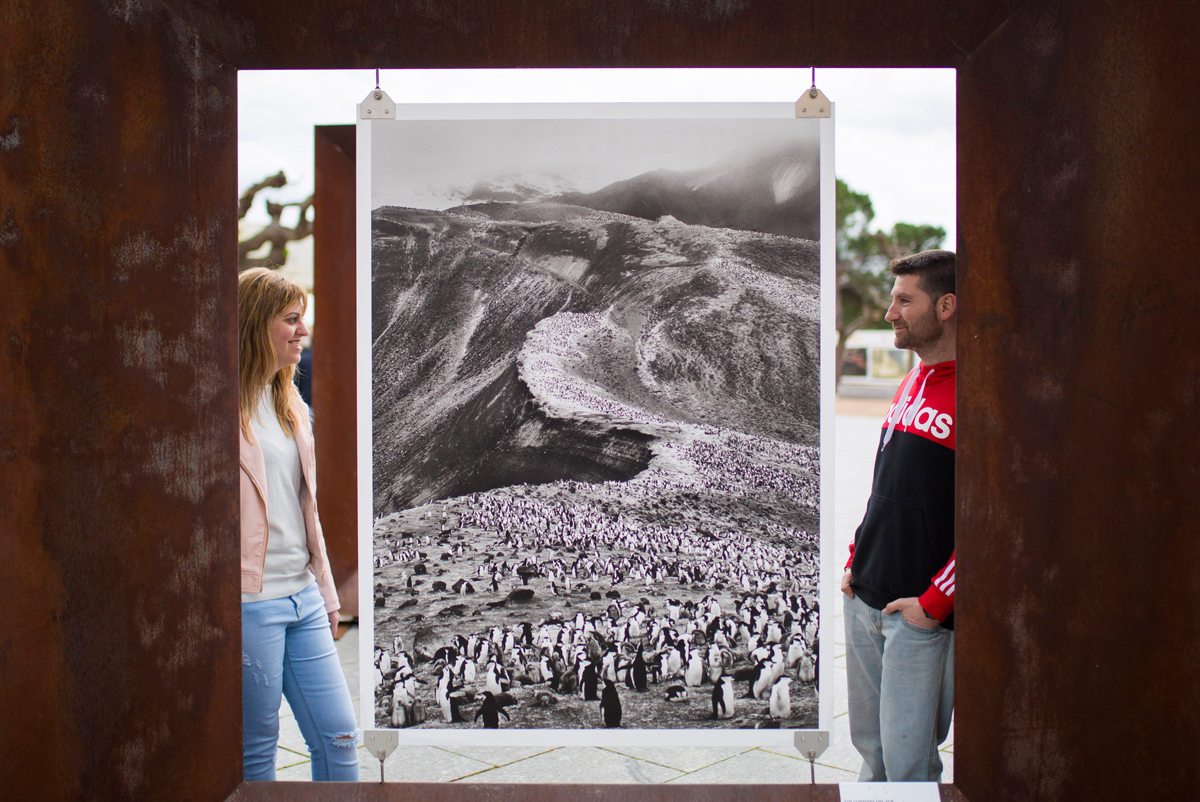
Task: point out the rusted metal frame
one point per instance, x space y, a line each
118 452
533 792
334 369
1079 564
90 191
274 34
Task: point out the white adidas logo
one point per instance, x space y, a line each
921 418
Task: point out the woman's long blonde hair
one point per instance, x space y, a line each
262 296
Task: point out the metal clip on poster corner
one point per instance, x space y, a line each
381 743
810 744
377 105
813 103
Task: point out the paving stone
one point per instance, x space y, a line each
681 758
578 765
497 755
419 764
286 757
761 766
301 772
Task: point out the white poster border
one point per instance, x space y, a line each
830 573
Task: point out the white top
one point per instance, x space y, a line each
286 570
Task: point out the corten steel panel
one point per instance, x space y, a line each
446 792
334 388
1079 622
120 675
1078 441
308 34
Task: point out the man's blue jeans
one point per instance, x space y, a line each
287 648
901 684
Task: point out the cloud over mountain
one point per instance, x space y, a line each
772 191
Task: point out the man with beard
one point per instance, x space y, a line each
899 582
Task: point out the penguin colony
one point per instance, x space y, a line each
683 597
730 658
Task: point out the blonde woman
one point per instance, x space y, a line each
289 605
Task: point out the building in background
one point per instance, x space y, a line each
873 366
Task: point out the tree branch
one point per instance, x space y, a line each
247 200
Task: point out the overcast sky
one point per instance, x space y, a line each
433 164
895 128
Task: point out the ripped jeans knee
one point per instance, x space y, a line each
346 740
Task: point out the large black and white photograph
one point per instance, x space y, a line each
595 394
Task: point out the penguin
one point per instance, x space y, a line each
442 692
676 693
399 714
456 699
568 682
674 662
639 672
807 671
492 683
780 705
609 666
752 676
589 682
491 712
764 682
695 670
777 665
610 705
716 663
795 652
722 698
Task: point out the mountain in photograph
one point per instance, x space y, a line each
771 191
671 325
596 457
518 188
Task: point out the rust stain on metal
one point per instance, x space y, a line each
119 455
335 417
270 34
534 792
1079 444
1077 466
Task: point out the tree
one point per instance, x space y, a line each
274 232
863 282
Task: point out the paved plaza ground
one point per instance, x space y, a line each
856 435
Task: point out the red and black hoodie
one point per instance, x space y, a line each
905 544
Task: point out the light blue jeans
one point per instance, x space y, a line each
901 684
287 647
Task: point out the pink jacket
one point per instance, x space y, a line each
254 513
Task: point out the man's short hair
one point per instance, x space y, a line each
935 271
